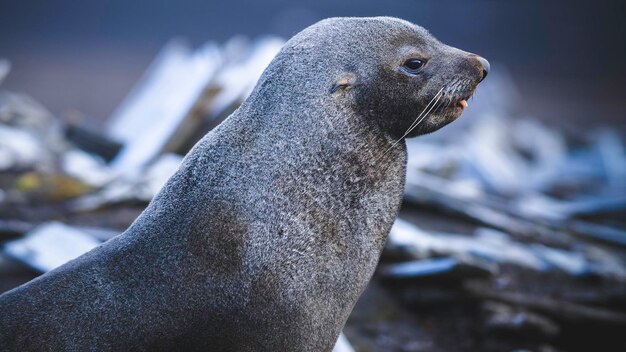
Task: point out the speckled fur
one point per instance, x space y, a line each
273 225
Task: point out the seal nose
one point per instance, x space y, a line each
485 65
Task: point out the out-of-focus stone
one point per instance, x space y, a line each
50 245
50 187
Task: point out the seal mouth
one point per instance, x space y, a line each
449 102
462 102
445 106
456 96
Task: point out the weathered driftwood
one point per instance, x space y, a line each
556 308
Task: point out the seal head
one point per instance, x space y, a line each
391 71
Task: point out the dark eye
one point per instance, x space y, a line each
413 65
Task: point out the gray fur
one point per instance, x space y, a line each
273 225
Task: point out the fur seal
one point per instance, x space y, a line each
270 230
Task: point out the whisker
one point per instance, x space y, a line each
442 105
422 119
425 108
447 105
437 96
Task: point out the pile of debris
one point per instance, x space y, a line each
182 95
521 241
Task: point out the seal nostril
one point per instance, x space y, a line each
486 67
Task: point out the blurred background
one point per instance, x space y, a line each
522 250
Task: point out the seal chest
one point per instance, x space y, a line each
273 225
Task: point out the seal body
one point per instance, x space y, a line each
272 227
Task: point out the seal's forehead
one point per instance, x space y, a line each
400 25
364 29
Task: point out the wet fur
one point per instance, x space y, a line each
273 225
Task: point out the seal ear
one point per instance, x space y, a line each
346 81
